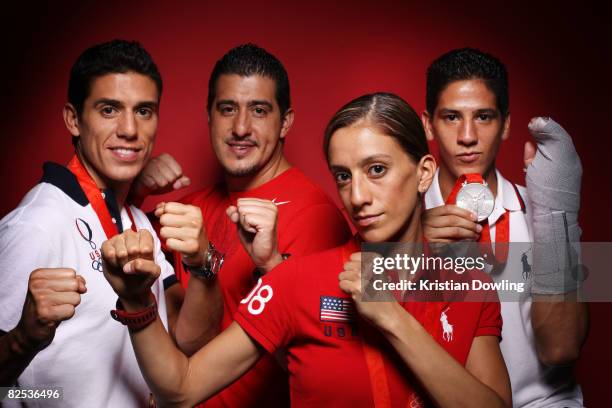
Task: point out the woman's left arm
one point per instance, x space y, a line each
483 381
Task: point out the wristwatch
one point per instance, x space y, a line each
212 264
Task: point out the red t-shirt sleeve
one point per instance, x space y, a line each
490 323
315 229
267 313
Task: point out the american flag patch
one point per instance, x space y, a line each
335 309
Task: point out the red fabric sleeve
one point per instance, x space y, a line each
271 323
490 323
316 229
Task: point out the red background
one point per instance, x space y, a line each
557 57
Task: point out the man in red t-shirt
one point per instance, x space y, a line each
249 118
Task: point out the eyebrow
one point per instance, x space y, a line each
489 111
445 111
107 101
252 103
148 104
265 103
118 104
363 162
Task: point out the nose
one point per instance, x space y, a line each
242 124
127 127
360 192
467 134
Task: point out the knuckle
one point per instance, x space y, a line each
43 312
70 310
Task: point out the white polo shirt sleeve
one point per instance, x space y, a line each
24 247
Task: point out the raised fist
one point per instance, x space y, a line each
53 294
184 231
256 220
161 175
380 313
129 265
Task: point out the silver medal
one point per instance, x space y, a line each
477 198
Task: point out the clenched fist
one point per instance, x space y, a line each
161 175
184 231
256 220
129 266
53 294
380 313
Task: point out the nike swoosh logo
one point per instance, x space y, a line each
280 202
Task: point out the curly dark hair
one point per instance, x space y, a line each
247 60
464 64
116 56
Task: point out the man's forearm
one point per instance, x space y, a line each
199 320
15 356
560 325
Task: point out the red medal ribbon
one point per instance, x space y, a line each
373 357
94 195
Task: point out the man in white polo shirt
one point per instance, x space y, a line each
51 268
468 116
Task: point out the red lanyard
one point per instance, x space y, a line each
502 226
94 195
379 384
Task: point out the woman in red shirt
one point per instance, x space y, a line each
342 351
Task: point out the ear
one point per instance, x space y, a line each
426 170
287 122
71 119
506 131
426 119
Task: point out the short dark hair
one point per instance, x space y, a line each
116 56
388 112
464 64
248 60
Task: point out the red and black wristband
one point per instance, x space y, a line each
135 321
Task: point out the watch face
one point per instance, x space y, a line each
477 198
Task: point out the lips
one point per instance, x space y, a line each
241 148
469 157
124 153
366 220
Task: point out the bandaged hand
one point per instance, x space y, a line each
553 179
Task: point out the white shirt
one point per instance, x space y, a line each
533 384
91 355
